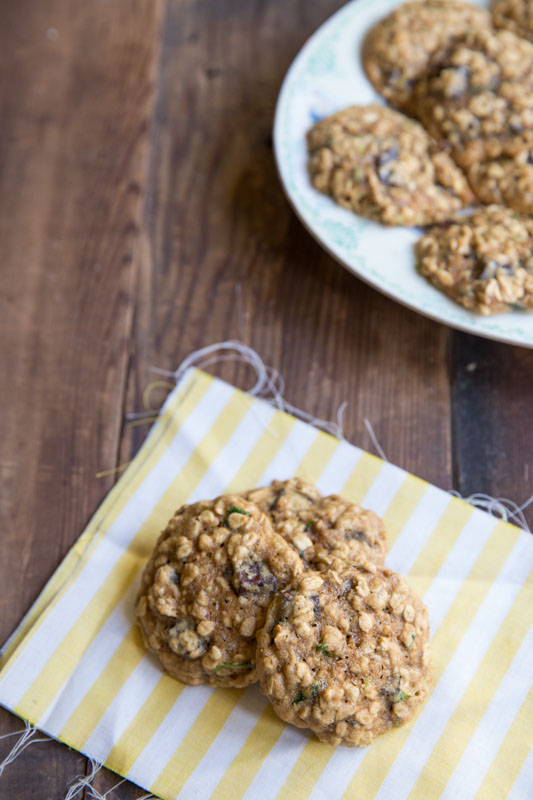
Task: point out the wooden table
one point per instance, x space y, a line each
141 218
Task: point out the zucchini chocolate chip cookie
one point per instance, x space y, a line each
506 181
397 51
515 15
206 588
323 530
483 262
345 654
479 97
384 166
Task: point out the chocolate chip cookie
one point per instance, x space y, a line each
479 97
397 51
384 166
206 588
345 653
507 180
323 530
484 262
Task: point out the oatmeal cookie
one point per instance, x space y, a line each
515 15
345 654
206 588
323 530
284 499
507 181
384 166
484 262
479 97
397 50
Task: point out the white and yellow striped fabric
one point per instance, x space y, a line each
76 667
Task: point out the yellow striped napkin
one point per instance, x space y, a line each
77 670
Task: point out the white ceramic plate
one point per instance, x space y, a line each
326 76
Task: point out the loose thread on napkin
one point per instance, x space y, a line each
84 782
148 416
270 386
26 738
499 507
374 439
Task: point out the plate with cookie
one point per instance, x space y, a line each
403 137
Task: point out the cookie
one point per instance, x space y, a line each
479 97
384 166
283 499
515 16
485 262
206 588
397 50
507 180
345 654
322 530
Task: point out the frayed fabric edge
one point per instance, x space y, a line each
269 386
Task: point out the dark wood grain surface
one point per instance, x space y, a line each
141 218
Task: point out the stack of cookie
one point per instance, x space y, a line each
289 588
471 88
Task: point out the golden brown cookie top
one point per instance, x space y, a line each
345 654
398 50
506 181
478 97
484 262
385 166
206 587
334 528
284 498
323 530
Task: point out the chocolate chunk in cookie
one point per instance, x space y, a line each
479 97
484 262
384 166
398 50
206 588
323 530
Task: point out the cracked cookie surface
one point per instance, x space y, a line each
384 166
345 653
323 530
206 587
397 50
484 262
